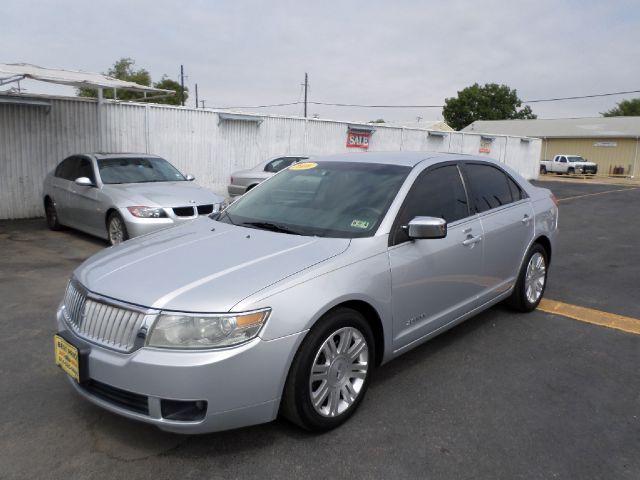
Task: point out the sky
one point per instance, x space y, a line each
249 53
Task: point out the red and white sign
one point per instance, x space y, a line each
358 139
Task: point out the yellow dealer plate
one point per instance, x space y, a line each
67 357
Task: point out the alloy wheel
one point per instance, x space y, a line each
339 371
535 277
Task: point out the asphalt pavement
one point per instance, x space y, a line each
502 396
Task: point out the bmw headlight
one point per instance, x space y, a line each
198 331
218 207
147 212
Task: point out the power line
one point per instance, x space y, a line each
580 97
328 104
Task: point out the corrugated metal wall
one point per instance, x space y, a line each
34 139
619 152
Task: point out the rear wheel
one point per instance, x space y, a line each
543 170
330 373
116 229
531 282
52 215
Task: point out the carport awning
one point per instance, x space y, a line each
14 72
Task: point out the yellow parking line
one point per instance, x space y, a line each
597 193
590 315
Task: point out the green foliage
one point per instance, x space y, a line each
488 102
123 69
167 84
625 108
379 120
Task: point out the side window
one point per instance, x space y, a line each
516 191
563 160
85 170
278 164
67 169
436 193
489 187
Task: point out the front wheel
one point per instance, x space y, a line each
116 229
330 373
531 282
52 215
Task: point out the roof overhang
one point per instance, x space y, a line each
14 72
239 117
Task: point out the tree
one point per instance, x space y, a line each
379 120
167 84
123 69
489 102
625 108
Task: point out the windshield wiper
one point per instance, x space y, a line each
273 227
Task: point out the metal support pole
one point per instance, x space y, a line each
182 85
99 119
196 95
306 87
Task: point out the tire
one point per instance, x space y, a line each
571 171
51 214
338 394
543 170
116 229
532 280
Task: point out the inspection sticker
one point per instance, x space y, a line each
360 224
303 166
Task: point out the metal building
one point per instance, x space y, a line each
611 142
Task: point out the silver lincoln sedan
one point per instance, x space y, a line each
288 300
116 196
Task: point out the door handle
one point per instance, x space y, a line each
526 219
472 240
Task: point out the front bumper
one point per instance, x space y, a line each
236 190
241 385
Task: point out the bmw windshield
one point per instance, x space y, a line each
325 199
137 170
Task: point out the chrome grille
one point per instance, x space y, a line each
99 322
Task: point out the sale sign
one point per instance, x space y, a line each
358 138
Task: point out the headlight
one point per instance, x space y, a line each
218 207
147 212
195 331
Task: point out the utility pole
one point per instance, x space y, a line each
306 87
182 85
196 95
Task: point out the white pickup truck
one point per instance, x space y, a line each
568 164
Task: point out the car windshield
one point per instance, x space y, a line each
137 170
325 199
576 159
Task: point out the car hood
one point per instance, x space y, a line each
202 266
161 194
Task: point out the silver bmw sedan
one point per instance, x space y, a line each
118 196
288 300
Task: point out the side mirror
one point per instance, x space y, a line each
427 227
190 177
83 182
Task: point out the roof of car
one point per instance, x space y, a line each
409 159
102 155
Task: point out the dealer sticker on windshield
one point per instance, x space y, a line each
360 224
303 166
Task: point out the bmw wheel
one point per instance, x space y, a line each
52 215
532 280
331 371
116 229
